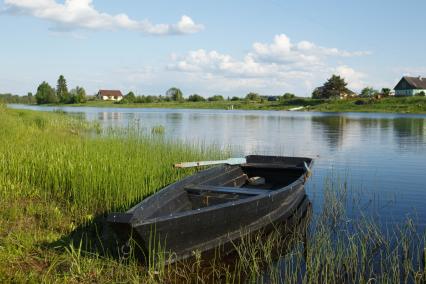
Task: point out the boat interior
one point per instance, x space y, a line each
240 182
261 175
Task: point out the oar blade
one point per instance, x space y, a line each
236 161
231 161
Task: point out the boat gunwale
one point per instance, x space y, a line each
172 216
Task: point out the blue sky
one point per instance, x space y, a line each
215 47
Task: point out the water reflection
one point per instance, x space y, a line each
410 133
107 116
332 129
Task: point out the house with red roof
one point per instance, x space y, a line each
110 95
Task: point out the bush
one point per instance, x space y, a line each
421 94
216 98
287 96
360 102
196 98
235 99
253 97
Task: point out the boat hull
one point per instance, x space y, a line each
182 233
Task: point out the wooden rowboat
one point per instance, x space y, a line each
217 205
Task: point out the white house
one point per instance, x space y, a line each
110 95
410 86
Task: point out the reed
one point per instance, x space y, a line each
61 175
55 154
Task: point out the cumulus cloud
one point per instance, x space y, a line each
276 64
352 76
303 52
74 14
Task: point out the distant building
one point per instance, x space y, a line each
410 86
110 95
348 94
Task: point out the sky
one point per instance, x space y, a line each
210 47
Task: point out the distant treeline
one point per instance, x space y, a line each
175 95
335 87
15 99
47 95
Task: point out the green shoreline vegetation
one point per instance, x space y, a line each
60 176
333 96
414 105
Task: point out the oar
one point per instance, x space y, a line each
231 161
308 170
307 167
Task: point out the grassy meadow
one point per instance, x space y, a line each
60 176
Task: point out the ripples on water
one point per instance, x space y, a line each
381 156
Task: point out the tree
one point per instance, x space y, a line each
216 98
78 95
253 96
62 90
317 93
386 92
174 94
333 88
368 92
45 94
288 96
196 98
234 99
130 97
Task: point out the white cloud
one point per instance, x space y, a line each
269 66
410 71
304 52
74 14
354 78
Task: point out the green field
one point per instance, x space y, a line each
390 105
60 176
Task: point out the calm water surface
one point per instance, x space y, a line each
381 156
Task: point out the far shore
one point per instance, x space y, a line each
413 105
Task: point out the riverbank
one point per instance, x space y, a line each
60 176
58 179
414 105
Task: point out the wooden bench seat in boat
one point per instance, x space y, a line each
272 166
226 189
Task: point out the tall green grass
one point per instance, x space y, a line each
56 154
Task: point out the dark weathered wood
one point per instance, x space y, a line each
272 166
216 206
226 189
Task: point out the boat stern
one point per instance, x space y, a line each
121 223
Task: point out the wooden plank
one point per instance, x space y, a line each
236 182
226 189
272 166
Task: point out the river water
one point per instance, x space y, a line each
381 157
